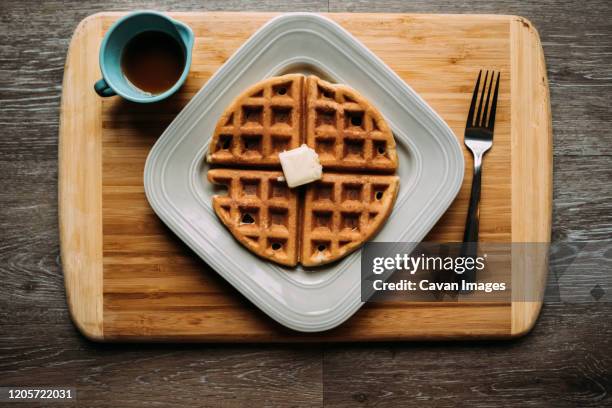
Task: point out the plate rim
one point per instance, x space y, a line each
341 313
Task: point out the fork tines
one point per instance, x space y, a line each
483 114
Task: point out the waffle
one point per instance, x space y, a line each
346 131
341 212
260 211
281 113
260 123
320 222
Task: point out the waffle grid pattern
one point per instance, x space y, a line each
345 132
261 125
341 210
262 209
322 221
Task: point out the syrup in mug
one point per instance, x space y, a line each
153 62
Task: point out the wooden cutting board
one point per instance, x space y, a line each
129 278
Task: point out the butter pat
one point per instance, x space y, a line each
300 166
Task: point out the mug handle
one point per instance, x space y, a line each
103 89
186 34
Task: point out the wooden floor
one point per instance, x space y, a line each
565 361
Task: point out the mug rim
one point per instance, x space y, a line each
177 84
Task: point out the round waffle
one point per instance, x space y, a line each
320 222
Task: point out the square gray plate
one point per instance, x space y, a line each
430 157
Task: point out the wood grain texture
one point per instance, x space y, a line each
531 172
549 368
563 362
141 299
80 195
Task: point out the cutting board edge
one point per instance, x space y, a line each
532 163
79 187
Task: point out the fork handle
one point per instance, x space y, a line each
473 216
470 235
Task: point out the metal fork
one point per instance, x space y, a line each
479 139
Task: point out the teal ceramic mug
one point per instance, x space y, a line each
113 81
